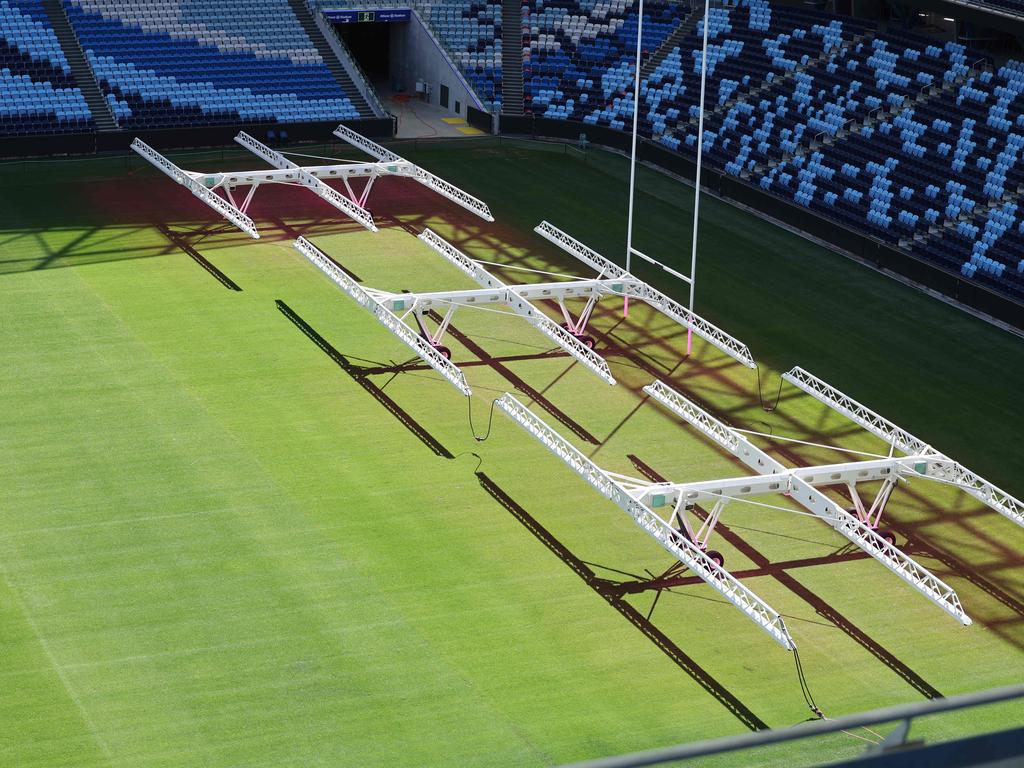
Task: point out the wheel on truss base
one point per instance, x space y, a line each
888 535
444 351
717 556
587 341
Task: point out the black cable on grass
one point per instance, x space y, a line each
805 689
490 420
760 395
474 454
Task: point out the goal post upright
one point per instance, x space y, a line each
631 250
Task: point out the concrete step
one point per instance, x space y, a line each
687 26
84 77
305 17
511 57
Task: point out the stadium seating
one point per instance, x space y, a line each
578 57
38 94
752 46
909 140
938 177
471 32
890 134
167 63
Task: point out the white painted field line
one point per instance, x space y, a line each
110 523
104 748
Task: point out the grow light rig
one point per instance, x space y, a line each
688 538
395 310
621 489
936 466
799 484
285 171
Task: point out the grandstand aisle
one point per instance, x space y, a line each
98 106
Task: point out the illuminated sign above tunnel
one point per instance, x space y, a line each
353 15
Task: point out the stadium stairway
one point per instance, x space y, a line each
512 57
80 69
686 28
305 17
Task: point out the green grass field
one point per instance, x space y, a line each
231 534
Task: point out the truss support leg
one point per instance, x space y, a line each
434 339
351 192
578 327
588 310
248 197
858 503
680 517
569 324
704 534
366 192
872 516
878 506
443 326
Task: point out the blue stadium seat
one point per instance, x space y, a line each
38 94
166 63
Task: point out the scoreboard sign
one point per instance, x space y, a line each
352 15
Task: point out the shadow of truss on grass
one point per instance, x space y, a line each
610 592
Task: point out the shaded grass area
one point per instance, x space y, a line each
241 527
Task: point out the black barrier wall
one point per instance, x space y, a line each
857 244
183 138
484 121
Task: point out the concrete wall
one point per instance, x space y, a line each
415 56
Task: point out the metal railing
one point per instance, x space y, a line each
347 61
903 713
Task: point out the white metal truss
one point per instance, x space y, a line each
516 297
801 485
940 467
396 165
640 290
350 208
614 487
187 180
427 352
312 177
570 336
